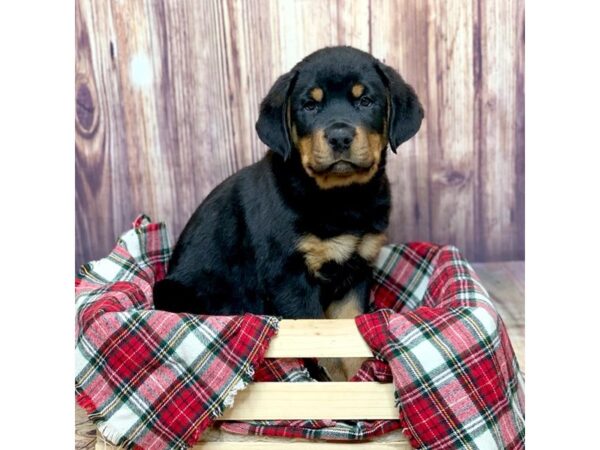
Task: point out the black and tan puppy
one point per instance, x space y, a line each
294 234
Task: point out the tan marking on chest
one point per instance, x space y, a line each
319 251
338 249
370 246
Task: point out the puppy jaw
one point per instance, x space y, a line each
315 152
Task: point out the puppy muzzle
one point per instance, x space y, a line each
339 136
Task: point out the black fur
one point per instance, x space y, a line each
406 112
272 124
238 252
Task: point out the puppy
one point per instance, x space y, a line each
295 234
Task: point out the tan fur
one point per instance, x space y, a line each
347 308
357 90
319 251
334 368
294 130
370 245
317 94
339 249
288 118
314 151
365 147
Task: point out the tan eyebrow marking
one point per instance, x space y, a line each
316 94
357 90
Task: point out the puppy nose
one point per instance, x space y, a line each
340 136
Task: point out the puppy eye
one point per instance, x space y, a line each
366 101
310 105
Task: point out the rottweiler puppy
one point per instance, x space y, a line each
295 234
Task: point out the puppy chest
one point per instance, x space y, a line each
321 255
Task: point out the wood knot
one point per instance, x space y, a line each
86 115
451 177
455 178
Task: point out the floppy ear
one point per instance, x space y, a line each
273 125
405 112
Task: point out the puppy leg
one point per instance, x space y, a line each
334 368
295 297
351 305
173 296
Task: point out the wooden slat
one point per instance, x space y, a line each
288 401
500 138
98 129
283 443
451 145
397 445
318 338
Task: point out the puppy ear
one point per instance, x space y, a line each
273 124
405 112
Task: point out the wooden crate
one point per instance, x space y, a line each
505 282
334 400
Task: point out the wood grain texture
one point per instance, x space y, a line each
85 430
296 401
167 95
323 338
221 440
500 137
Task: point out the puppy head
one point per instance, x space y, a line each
338 109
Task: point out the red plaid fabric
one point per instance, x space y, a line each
152 379
457 380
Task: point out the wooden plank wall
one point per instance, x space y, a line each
167 94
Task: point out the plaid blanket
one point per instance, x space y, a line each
152 379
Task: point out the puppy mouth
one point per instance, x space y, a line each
341 167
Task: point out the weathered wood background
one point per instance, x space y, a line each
167 94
